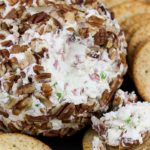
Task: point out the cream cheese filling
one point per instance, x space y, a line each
127 125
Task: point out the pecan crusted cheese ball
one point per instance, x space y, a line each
59 63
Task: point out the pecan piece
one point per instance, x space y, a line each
43 99
32 119
13 2
12 14
13 128
11 64
77 1
18 49
3 112
89 1
7 86
100 38
39 17
47 90
38 69
7 43
107 96
95 21
26 89
2 70
67 112
64 8
2 36
21 105
43 77
4 53
23 27
84 32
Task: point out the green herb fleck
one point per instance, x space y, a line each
59 95
103 75
37 105
9 97
128 121
54 85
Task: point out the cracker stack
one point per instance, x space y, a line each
134 16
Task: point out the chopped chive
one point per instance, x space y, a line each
128 121
37 105
54 85
103 75
59 95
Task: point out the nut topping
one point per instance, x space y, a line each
26 89
43 77
7 43
18 49
95 21
21 105
100 38
47 90
39 17
13 2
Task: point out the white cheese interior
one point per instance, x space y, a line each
129 123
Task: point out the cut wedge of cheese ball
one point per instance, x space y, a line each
128 9
141 70
60 63
126 128
14 141
91 140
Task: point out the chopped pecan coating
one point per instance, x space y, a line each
13 2
32 119
38 69
7 86
43 99
26 89
2 36
67 112
4 53
12 14
43 77
21 105
95 21
3 112
2 69
84 32
23 27
18 49
77 1
7 43
89 1
100 38
47 90
38 17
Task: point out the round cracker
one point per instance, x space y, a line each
129 22
141 70
141 35
87 139
135 27
14 141
128 9
113 3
